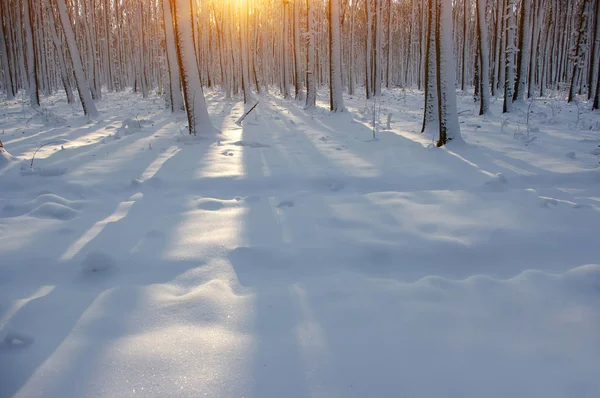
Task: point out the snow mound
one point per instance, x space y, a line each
210 204
9 338
250 144
5 158
286 203
498 182
56 205
27 170
547 202
130 126
55 211
189 139
47 118
586 276
98 262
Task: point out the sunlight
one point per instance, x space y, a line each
120 213
189 240
225 161
18 304
312 342
153 168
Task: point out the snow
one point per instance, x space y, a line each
309 261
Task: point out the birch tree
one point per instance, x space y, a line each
484 69
311 88
89 107
446 76
510 56
32 76
336 100
195 105
175 97
524 50
8 81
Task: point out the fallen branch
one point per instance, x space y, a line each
241 119
36 151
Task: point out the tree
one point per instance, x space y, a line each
297 57
175 97
195 105
577 52
311 88
446 76
89 107
595 48
59 52
524 51
8 82
510 56
377 56
430 114
484 69
32 76
336 100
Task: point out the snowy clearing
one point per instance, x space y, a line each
296 256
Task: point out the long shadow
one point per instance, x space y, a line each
138 242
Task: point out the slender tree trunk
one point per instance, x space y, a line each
524 51
32 77
176 98
368 71
297 57
311 88
595 49
195 105
377 57
430 115
89 107
464 44
336 100
446 81
483 59
577 52
60 55
510 57
8 83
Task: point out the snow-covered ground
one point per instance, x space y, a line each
296 256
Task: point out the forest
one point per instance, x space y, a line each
299 198
497 48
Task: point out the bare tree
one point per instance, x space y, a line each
195 105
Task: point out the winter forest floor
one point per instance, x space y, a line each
296 256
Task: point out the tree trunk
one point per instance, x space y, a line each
524 51
60 55
595 48
89 107
484 70
510 57
430 114
336 100
176 98
311 88
32 76
446 80
195 105
297 64
8 83
377 56
577 52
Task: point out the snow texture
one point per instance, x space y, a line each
320 263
